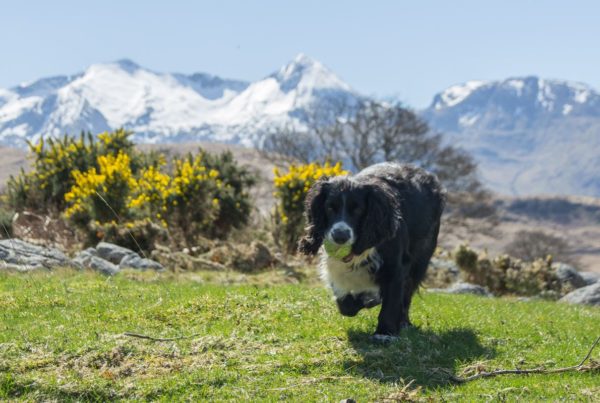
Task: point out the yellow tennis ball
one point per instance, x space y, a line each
335 250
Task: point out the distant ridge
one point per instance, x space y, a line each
530 135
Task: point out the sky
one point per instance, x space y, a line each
408 50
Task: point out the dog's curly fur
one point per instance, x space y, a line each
394 211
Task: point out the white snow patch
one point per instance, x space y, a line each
518 85
545 95
468 120
458 93
17 107
582 95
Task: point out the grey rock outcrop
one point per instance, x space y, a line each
465 288
588 295
83 258
139 263
590 277
113 253
568 275
24 256
103 266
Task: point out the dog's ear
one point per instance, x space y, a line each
314 213
381 220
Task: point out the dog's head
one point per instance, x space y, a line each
344 211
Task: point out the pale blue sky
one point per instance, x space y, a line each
409 49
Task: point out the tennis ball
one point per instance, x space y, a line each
337 251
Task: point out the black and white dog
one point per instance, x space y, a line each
390 215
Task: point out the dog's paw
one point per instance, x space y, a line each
383 338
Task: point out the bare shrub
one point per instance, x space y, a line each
368 132
507 275
531 245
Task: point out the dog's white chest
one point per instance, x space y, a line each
353 277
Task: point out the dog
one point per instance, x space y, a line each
388 219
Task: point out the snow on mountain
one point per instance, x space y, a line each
529 135
161 107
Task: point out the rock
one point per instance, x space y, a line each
468 288
590 277
139 263
102 266
588 295
20 254
21 267
113 253
568 276
83 258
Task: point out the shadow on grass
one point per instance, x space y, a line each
424 356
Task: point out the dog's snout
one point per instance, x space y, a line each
341 235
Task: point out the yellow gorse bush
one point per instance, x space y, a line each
101 181
187 198
291 188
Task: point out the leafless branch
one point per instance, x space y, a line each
540 370
143 336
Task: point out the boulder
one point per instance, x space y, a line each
588 295
466 288
23 255
113 253
83 258
568 276
139 263
590 277
103 266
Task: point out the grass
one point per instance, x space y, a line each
61 338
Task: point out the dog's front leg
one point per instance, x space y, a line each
391 308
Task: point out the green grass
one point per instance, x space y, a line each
61 338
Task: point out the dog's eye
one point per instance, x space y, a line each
331 208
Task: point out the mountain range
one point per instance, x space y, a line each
529 135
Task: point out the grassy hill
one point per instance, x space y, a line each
62 337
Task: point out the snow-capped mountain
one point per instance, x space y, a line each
529 135
161 107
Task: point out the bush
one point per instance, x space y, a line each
235 206
508 275
107 188
291 188
43 189
191 202
194 200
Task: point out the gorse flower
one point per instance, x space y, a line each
113 180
